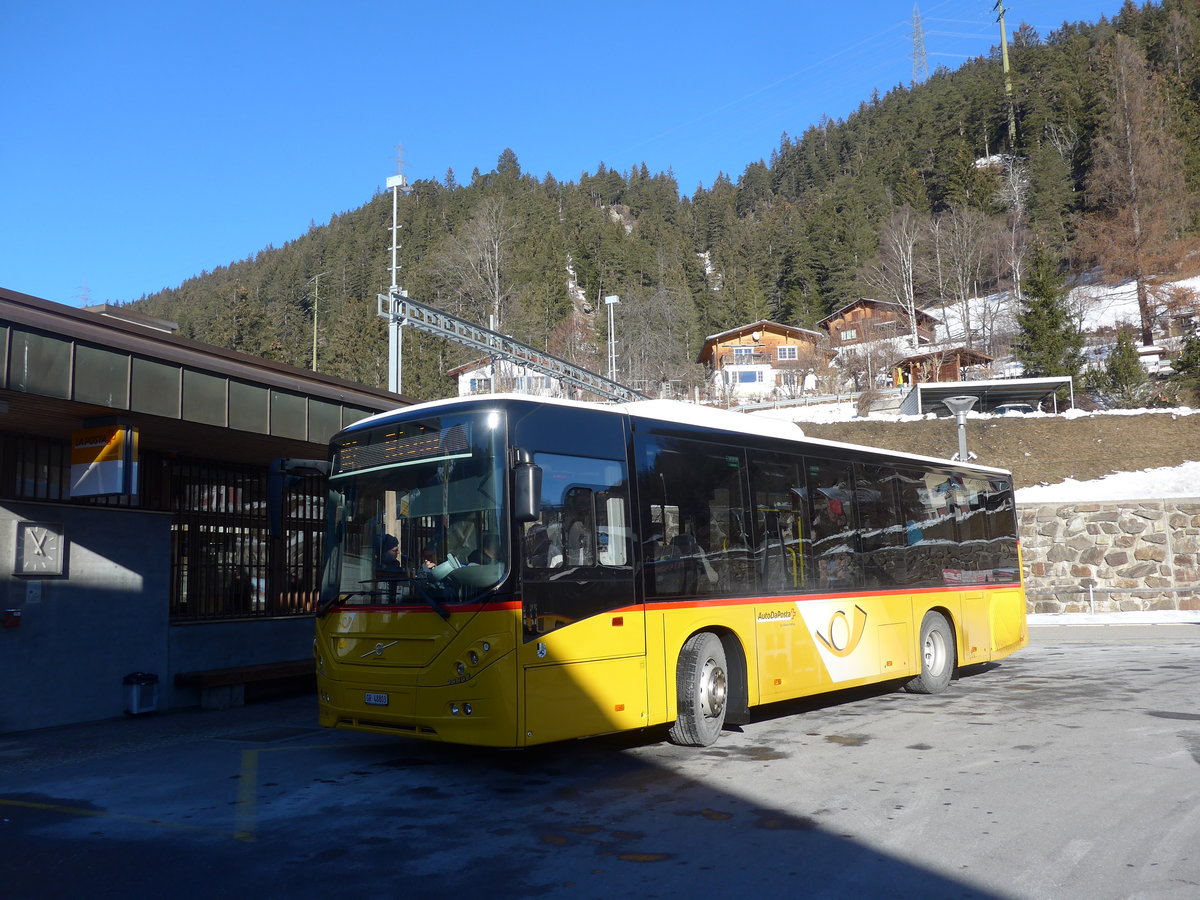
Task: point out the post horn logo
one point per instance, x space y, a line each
844 633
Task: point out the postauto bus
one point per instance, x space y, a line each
505 571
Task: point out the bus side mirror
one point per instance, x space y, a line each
527 488
282 476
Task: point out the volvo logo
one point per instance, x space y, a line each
378 649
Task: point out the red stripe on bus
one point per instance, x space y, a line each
702 602
423 608
803 598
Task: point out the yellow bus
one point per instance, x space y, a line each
505 571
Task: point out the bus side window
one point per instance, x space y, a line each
781 521
694 519
881 535
834 539
576 555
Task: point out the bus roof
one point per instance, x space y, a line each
678 412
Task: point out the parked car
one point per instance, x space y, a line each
1013 409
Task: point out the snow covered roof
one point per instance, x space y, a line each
763 325
922 315
690 414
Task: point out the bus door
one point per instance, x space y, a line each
583 651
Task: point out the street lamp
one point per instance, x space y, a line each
960 406
610 301
398 184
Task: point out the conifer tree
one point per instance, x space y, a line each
1049 342
1187 363
1126 379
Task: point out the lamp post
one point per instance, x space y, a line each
398 184
960 406
610 301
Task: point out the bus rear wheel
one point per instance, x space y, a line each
702 691
937 656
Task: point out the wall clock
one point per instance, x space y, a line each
39 549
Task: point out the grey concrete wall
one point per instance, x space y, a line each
82 631
108 615
1133 555
218 645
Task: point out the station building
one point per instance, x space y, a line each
134 542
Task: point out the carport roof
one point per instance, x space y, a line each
927 398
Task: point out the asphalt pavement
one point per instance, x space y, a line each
246 801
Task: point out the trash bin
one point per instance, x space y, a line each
141 693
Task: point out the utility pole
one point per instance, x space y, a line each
398 184
1008 91
920 60
611 301
315 281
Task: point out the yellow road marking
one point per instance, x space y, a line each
245 808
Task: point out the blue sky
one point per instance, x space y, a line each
144 143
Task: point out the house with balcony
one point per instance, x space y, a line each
866 320
765 359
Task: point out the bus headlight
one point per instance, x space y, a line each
460 668
454 709
473 658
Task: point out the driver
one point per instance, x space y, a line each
389 554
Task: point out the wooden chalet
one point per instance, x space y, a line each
938 366
866 320
762 356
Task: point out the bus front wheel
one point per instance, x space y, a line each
937 656
702 691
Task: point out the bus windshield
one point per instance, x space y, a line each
416 513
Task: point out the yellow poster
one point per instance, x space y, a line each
104 461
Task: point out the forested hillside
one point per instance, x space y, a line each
891 202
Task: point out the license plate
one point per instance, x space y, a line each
375 699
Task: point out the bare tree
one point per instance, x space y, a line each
804 372
1179 39
474 264
655 333
867 365
894 272
1136 180
1014 196
960 240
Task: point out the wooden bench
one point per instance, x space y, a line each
223 688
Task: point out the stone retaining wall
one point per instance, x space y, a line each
1133 554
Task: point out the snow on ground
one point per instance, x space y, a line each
1168 481
1098 305
824 413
